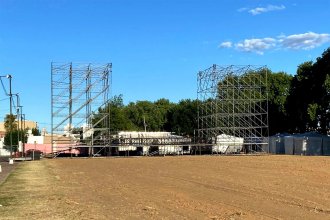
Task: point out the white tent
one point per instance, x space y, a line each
228 144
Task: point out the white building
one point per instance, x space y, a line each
3 152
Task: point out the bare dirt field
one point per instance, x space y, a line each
188 187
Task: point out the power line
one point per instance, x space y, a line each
3 87
3 99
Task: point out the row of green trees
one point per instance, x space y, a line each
161 115
296 103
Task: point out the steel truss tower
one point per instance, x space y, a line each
78 92
233 100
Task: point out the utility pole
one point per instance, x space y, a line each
21 134
11 113
144 123
23 119
17 117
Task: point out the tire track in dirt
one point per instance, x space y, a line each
266 195
231 190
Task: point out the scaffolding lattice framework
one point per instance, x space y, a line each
78 91
233 100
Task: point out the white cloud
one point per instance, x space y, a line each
256 45
259 10
226 44
304 41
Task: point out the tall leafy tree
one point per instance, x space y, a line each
10 123
278 92
36 132
300 97
182 118
149 115
321 69
163 106
308 102
119 120
13 135
17 135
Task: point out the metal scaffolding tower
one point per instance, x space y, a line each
78 93
233 100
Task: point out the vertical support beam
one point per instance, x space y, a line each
52 108
24 134
267 116
88 106
70 98
11 114
108 83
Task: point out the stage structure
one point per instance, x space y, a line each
233 101
78 91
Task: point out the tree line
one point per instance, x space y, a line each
161 115
300 103
296 104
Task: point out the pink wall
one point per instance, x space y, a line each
47 148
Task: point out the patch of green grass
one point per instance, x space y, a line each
9 185
7 200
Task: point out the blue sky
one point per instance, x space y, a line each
156 46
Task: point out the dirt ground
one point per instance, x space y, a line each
187 187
